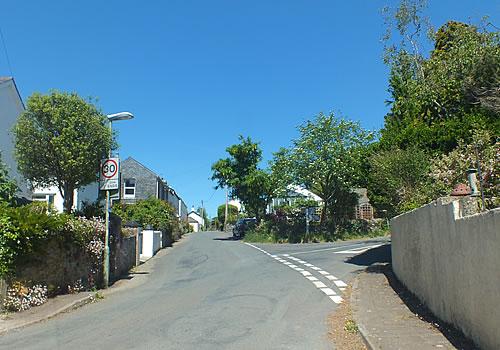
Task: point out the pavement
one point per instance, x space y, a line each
211 292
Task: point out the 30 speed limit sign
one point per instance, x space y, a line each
109 174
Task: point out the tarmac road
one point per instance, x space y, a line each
211 292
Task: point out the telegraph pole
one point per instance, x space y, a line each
202 214
225 214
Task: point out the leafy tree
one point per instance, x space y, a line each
436 101
398 179
60 140
326 159
232 212
8 187
158 214
240 172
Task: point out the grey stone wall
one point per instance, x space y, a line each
450 260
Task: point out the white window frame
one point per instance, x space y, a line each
125 188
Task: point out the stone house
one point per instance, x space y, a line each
138 182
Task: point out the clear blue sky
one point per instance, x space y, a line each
198 73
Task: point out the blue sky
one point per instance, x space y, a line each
199 73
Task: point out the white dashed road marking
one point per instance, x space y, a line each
317 283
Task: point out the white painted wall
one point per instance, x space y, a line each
11 107
151 243
87 193
451 262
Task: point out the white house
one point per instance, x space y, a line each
293 194
195 221
52 196
11 107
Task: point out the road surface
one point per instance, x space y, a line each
211 292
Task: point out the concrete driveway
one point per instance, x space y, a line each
211 292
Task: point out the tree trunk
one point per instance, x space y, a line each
68 196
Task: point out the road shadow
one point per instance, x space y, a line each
419 309
378 255
230 238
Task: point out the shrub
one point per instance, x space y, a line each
20 297
153 212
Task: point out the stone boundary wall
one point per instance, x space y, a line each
451 261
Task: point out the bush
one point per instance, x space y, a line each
26 229
150 212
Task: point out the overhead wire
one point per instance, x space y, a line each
6 52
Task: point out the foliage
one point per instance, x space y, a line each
232 211
150 212
20 297
450 169
398 179
91 209
60 140
8 187
240 172
25 230
326 159
438 100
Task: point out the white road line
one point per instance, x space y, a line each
340 283
328 291
331 277
331 248
336 299
319 284
358 251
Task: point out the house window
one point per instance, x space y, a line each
129 189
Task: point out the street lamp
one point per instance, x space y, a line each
111 119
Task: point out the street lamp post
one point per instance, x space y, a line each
105 273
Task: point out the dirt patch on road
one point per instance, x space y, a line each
342 329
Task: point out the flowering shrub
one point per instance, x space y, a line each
20 297
450 169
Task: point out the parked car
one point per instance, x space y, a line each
242 226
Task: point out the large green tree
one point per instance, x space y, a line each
241 174
326 159
437 100
232 213
60 140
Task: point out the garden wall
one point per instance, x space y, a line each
449 260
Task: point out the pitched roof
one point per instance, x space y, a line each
7 79
130 159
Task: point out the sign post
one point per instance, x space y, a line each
109 179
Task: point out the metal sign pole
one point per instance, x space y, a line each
105 272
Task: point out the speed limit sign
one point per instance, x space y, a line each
109 174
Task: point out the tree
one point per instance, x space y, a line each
326 159
436 101
60 140
240 173
398 179
8 187
232 212
158 214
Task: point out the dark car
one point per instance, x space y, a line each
242 226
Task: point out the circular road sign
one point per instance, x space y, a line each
109 169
